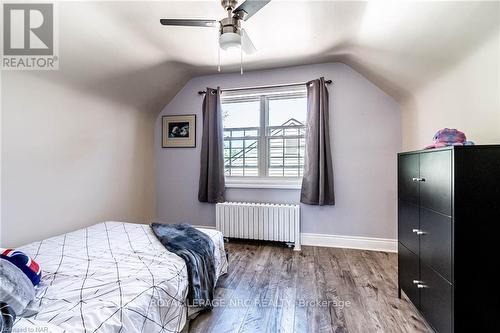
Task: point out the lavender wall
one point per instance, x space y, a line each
366 135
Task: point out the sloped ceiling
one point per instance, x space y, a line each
119 49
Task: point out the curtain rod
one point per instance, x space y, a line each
263 87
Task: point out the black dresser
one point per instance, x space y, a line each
449 236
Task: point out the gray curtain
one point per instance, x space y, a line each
212 186
317 182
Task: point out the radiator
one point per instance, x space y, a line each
259 221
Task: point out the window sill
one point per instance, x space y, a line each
284 184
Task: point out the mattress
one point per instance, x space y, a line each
111 277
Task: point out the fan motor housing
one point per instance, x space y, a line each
230 24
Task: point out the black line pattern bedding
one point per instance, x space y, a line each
111 277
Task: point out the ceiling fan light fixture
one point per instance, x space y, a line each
230 40
231 34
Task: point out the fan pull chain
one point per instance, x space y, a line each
218 50
218 55
241 59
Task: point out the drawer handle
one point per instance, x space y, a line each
418 231
417 282
417 179
421 286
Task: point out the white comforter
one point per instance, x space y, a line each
111 277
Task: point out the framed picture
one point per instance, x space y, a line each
179 131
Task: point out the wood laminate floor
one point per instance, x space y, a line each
270 288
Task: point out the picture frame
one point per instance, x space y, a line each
179 131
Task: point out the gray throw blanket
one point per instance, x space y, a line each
7 318
16 288
197 250
16 292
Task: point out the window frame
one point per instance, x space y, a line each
263 180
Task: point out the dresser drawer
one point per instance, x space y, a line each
435 184
409 273
435 241
408 222
436 300
408 172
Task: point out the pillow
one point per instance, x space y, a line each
23 262
16 289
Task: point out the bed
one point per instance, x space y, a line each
111 277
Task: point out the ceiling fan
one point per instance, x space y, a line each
231 34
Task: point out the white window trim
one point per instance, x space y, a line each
264 182
284 183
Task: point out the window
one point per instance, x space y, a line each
264 134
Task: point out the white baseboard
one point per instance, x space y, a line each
347 242
204 226
350 242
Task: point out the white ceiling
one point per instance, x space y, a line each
120 50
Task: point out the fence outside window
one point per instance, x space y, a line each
273 144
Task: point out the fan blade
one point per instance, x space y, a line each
190 23
248 8
246 43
